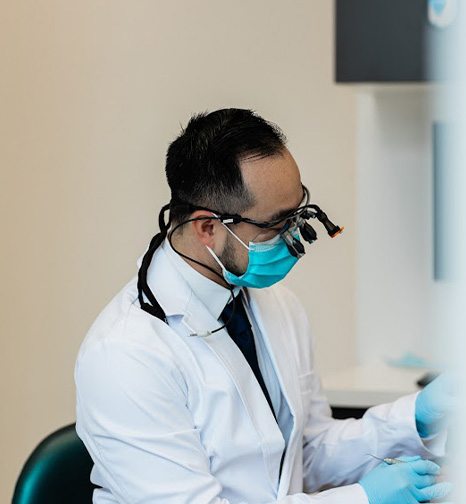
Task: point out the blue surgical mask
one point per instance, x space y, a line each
269 262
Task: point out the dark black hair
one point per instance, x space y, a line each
203 162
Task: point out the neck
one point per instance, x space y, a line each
182 243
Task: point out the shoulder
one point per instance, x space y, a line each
125 343
123 321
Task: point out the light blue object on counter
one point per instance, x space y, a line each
410 360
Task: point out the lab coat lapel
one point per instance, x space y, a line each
274 331
197 319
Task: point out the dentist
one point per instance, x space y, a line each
196 383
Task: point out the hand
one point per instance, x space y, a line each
408 482
433 403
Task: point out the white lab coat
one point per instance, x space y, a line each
173 418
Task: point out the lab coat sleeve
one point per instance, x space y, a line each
133 418
335 452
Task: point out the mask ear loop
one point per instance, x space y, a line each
234 235
217 260
213 254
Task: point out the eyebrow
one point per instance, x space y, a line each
284 213
281 214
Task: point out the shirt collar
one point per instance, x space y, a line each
213 295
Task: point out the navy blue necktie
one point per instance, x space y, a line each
240 332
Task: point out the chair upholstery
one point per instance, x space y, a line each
57 471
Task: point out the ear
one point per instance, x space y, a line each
204 229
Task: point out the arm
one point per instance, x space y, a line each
336 451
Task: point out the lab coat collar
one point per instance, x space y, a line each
172 297
173 301
174 283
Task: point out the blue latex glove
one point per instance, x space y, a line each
409 482
433 404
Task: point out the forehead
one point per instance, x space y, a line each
275 183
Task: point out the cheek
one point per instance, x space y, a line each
242 258
235 256
220 243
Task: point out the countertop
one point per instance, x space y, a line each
368 385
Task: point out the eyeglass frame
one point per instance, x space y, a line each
309 211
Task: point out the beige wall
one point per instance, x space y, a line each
94 91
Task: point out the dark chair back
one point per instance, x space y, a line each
57 471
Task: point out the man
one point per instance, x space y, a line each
196 383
